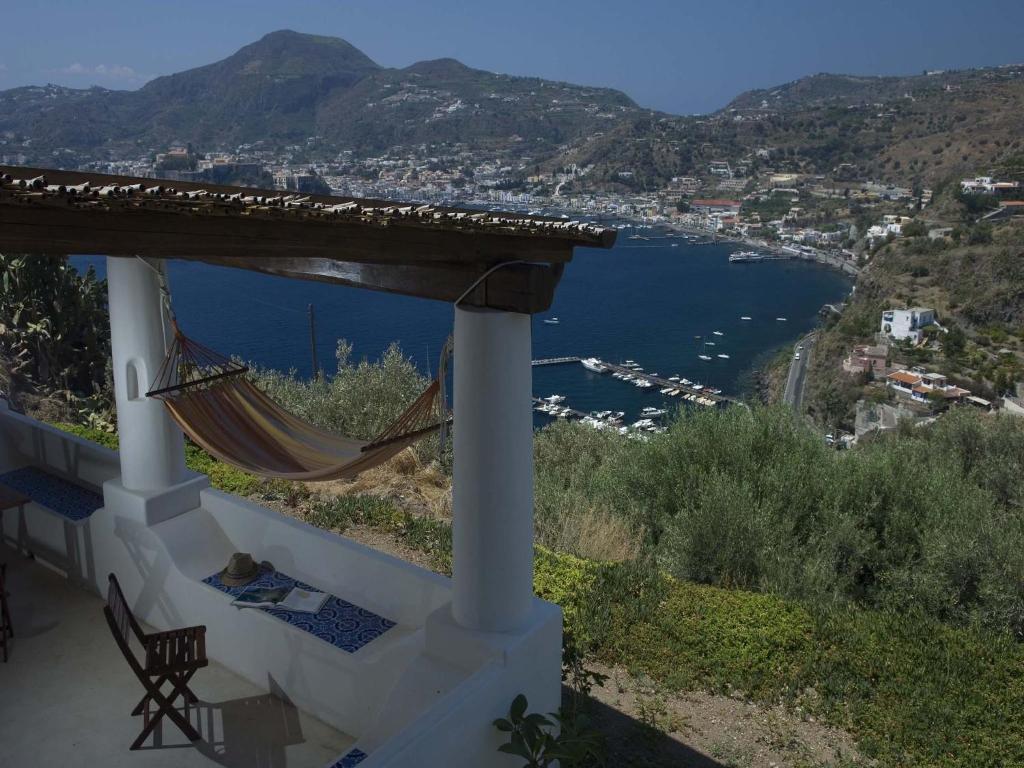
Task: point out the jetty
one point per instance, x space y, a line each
556 360
662 383
567 412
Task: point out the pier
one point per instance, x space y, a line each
556 360
572 414
662 383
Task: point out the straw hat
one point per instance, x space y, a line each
241 569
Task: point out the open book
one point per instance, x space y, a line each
296 599
303 600
261 597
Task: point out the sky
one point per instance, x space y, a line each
678 56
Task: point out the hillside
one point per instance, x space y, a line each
903 130
291 89
288 87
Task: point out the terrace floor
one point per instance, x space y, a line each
66 693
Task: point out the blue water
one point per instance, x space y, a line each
643 300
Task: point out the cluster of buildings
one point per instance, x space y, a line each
986 185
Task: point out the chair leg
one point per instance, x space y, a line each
180 684
164 709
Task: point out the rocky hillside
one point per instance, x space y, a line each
288 87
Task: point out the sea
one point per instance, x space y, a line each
656 301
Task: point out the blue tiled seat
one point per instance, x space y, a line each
55 493
351 758
340 623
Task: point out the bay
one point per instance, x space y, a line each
646 300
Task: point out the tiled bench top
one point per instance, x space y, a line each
55 493
352 758
339 622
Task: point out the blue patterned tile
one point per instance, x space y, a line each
339 622
352 757
55 493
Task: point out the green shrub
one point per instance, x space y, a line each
927 519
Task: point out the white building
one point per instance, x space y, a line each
988 186
907 324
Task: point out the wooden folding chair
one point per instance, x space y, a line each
6 628
169 657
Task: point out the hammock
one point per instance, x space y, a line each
216 405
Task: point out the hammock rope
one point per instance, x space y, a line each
222 411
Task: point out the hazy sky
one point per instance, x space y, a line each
679 56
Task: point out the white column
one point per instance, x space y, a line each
493 473
151 445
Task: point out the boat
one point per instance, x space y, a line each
704 357
781 319
718 333
674 393
553 399
724 357
651 412
673 378
710 343
745 317
593 364
666 391
743 256
551 320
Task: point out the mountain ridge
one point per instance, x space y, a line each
289 88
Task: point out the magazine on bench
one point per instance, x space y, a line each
296 599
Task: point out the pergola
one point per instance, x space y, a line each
503 266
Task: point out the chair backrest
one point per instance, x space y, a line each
122 622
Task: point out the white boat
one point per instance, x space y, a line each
673 393
724 357
551 320
593 364
650 412
781 319
718 333
745 317
704 357
666 391
710 343
554 399
673 378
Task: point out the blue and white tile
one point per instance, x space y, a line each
340 623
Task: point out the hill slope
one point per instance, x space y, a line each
289 86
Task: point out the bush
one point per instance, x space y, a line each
927 519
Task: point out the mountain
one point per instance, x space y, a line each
289 86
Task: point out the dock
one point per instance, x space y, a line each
572 414
662 383
556 360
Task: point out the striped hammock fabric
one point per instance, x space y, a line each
223 412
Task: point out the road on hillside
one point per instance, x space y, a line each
797 379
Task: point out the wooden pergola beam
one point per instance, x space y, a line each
425 251
525 288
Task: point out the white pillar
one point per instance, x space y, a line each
493 474
151 445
